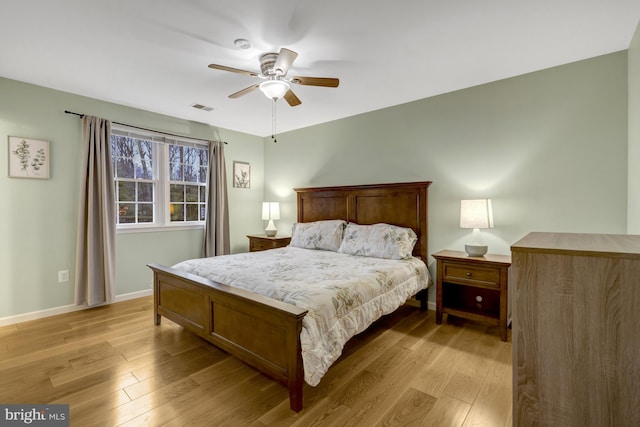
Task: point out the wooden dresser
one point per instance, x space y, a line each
576 330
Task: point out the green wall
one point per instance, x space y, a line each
633 217
38 217
549 148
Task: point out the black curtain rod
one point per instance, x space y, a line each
141 128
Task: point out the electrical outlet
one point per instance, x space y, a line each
63 276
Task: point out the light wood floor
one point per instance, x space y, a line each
114 367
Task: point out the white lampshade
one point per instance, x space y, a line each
274 89
476 213
270 210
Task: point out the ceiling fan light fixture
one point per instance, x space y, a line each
274 89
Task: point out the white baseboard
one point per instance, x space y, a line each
133 295
34 315
41 314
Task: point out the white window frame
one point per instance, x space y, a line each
160 164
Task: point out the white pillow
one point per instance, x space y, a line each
325 235
378 241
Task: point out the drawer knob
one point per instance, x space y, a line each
468 274
479 298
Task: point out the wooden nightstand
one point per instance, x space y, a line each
474 288
262 242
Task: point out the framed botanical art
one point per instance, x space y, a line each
28 158
241 175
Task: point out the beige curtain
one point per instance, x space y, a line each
95 246
216 229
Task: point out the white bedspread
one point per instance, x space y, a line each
344 294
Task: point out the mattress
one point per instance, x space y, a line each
343 293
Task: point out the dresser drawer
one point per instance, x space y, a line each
472 275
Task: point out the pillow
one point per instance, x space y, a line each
325 235
378 241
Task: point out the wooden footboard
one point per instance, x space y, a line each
262 332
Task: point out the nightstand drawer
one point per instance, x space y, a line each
263 243
260 245
474 275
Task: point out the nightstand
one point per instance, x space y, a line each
473 288
262 242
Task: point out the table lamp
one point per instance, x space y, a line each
476 214
270 211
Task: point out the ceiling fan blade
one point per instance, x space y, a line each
292 99
244 91
233 70
284 61
316 81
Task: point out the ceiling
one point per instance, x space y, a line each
153 54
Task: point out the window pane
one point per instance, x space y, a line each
192 212
116 145
124 147
145 192
176 211
203 175
203 193
192 193
126 213
124 168
175 153
176 172
145 212
190 156
191 174
176 193
147 169
126 191
143 157
203 211
203 155
142 148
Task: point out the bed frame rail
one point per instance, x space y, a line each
261 332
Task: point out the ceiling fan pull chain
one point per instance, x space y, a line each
273 120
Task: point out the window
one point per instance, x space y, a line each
187 183
159 181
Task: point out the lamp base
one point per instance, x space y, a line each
475 250
271 229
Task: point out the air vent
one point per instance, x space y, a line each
242 43
202 107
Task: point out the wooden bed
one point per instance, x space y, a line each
263 332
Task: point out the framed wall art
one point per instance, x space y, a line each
28 158
241 175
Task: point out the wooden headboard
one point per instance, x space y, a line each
402 204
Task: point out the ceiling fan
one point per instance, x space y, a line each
273 69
